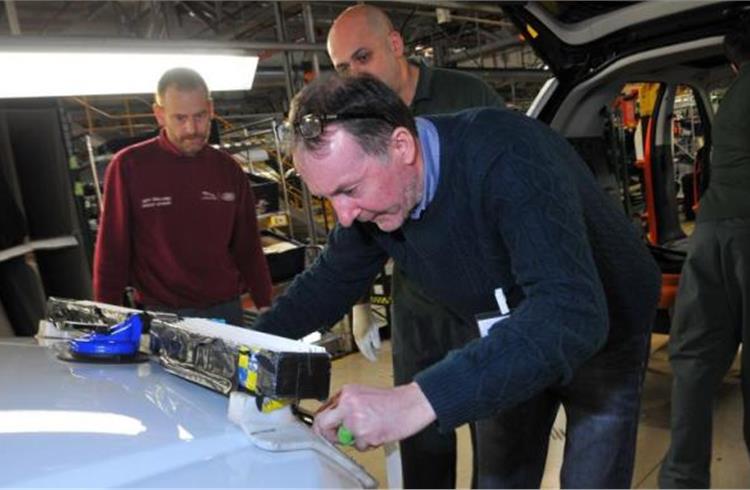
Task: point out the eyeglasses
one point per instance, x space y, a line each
311 126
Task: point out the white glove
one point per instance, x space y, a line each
366 333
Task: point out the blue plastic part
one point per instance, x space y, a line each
122 339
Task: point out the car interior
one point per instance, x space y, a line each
643 125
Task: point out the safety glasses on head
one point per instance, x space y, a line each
311 126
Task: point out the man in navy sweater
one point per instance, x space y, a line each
362 39
485 210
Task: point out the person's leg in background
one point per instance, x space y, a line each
702 345
422 333
511 447
602 408
735 234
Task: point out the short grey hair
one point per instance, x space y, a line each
183 79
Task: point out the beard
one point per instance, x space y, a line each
190 145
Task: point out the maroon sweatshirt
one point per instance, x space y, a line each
181 230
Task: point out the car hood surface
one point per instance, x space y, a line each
83 425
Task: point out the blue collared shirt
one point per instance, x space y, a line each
430 147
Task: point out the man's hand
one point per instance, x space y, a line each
366 333
375 416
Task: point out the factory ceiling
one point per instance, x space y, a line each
473 36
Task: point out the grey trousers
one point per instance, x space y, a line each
712 317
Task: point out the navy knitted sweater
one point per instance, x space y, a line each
515 208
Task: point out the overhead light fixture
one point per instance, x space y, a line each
52 72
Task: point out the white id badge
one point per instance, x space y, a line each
502 303
485 321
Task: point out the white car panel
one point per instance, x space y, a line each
134 425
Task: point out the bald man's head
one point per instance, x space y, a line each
367 16
362 40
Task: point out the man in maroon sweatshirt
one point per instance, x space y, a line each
178 222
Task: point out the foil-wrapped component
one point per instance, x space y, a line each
63 312
213 362
207 361
209 353
297 375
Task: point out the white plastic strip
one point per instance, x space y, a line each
502 303
43 244
244 336
279 431
13 252
54 243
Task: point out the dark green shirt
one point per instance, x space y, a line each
728 193
441 91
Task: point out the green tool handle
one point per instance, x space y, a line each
346 438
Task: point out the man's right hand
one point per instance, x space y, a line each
374 416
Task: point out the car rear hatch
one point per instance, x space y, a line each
576 40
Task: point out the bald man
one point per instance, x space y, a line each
362 40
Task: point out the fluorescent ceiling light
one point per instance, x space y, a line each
48 74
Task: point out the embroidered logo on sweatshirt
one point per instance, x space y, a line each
156 202
217 196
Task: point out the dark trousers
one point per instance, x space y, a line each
422 333
602 405
712 317
229 311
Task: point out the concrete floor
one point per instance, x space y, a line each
730 467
